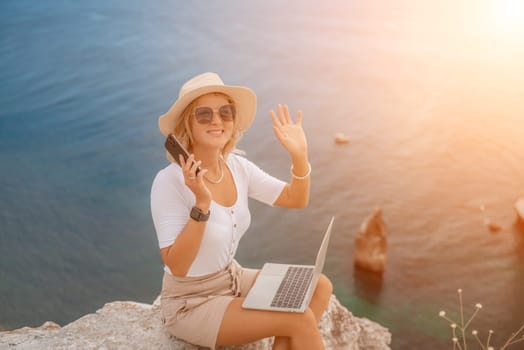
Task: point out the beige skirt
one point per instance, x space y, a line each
193 307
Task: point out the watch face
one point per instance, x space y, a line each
197 214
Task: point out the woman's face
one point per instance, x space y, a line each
217 132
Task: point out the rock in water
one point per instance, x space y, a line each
340 138
371 243
519 207
493 227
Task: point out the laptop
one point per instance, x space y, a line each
284 287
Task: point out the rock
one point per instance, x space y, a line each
519 207
371 243
340 138
493 227
343 331
131 325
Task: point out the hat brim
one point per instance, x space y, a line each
245 103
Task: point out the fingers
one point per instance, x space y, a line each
284 117
181 161
280 136
201 173
190 167
194 168
299 118
276 121
283 113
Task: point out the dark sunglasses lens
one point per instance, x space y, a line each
227 112
204 115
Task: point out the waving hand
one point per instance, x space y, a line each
289 133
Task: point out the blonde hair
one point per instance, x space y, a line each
184 134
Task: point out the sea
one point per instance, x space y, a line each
430 95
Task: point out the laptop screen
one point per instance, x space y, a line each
321 256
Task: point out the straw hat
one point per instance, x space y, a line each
245 100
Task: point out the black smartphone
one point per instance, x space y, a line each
175 148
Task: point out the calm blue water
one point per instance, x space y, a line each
431 100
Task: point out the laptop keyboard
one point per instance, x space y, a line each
293 287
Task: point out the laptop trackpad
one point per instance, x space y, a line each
274 269
262 293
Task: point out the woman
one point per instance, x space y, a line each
200 216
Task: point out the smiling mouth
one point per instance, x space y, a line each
215 132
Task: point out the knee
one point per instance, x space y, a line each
302 322
324 286
308 320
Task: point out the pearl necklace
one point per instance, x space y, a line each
220 177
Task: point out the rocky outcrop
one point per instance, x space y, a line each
519 207
131 325
493 227
371 243
341 139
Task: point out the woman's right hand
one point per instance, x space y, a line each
196 183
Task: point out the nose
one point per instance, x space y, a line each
216 116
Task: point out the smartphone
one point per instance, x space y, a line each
175 148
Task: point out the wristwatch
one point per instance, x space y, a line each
198 215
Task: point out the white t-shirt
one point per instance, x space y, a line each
172 200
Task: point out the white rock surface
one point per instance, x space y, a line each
131 325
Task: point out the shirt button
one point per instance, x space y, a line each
235 225
232 211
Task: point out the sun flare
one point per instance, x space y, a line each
509 16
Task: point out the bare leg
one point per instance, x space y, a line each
241 326
321 296
281 343
318 304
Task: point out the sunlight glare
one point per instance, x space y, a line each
509 16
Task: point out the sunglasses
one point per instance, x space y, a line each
204 115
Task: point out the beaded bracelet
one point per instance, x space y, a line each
301 177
